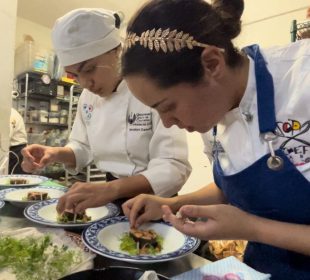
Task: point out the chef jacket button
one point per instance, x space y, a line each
248 116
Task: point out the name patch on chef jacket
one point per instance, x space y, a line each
139 121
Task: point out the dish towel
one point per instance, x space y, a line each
226 269
59 237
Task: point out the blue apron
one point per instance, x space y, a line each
282 195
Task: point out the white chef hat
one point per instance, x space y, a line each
85 33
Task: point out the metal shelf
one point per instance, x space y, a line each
91 172
300 30
47 124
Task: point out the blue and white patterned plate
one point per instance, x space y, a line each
2 203
104 239
32 180
16 196
45 213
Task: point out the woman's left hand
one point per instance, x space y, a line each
216 222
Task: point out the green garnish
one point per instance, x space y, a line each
129 245
64 218
36 258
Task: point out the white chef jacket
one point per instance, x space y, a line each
18 135
239 135
124 137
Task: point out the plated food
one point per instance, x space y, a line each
71 217
105 238
141 242
45 213
22 197
18 181
21 180
36 195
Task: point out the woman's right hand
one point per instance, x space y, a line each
37 156
144 208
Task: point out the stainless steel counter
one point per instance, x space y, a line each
12 217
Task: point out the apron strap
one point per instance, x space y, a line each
265 91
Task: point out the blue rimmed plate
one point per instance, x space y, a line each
104 239
17 196
2 203
30 180
45 213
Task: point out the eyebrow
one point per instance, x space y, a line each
154 106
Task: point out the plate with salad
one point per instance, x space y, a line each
21 180
152 242
45 213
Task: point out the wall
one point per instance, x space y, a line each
40 33
8 10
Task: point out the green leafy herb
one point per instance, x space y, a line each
129 245
36 258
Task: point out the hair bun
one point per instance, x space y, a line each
230 11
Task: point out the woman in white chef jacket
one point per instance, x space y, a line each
122 136
18 140
253 108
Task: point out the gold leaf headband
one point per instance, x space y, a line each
163 40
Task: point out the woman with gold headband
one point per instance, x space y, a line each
252 108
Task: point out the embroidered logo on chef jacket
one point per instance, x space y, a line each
13 123
88 109
295 136
139 121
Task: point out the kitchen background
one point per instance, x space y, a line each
266 22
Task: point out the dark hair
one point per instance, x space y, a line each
215 24
117 20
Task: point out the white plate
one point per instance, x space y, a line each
15 196
33 180
45 213
104 239
2 203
